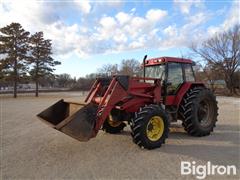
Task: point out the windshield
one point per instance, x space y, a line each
155 71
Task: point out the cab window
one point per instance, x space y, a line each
157 71
189 73
175 77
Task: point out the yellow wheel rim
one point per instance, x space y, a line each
155 128
113 123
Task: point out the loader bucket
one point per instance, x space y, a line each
74 119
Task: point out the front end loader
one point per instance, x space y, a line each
120 94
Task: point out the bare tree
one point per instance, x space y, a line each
48 80
223 53
108 69
130 67
85 83
64 80
127 67
212 73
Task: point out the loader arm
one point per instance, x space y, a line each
111 97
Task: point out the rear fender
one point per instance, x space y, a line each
183 90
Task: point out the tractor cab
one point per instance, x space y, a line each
173 72
176 76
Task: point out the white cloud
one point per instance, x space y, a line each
44 16
198 18
234 16
212 30
25 13
232 19
127 32
34 14
186 34
84 6
123 17
120 38
108 22
106 28
138 22
186 5
120 31
170 31
113 4
195 22
133 10
156 14
136 45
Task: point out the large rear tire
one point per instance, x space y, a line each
199 111
150 127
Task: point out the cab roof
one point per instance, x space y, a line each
161 60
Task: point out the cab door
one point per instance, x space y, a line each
173 82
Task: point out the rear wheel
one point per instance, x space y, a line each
199 110
113 126
150 127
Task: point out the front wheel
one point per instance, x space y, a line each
150 127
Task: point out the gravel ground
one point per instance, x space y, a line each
32 150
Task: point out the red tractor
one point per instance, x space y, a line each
167 92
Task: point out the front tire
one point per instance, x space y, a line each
150 127
199 109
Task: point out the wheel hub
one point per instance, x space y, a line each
112 122
155 128
204 113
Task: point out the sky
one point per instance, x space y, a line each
88 34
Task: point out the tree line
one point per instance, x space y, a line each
129 67
23 54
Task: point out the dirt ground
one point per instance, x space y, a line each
32 150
